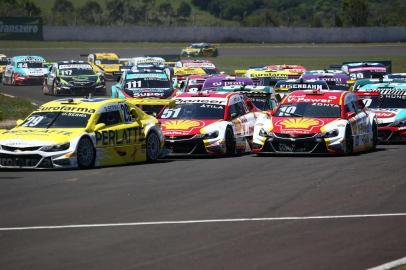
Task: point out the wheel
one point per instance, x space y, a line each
45 89
53 92
349 141
230 142
215 53
374 135
12 81
86 153
3 80
153 145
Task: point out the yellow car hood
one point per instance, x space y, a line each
110 68
31 137
191 50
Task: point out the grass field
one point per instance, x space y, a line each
14 107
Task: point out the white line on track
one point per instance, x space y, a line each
390 265
7 95
198 221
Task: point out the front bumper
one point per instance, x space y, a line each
29 80
81 90
28 158
190 145
308 144
391 134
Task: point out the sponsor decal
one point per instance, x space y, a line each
300 123
214 101
67 108
301 86
182 124
118 137
381 114
38 132
297 99
75 66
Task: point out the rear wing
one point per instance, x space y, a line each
166 57
386 63
240 72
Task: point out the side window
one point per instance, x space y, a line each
237 109
349 107
110 118
53 70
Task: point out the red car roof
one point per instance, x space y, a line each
307 96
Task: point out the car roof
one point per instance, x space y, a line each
84 105
311 96
106 56
28 58
72 62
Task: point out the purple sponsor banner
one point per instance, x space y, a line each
216 82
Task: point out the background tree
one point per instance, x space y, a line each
166 11
115 11
355 12
90 12
63 11
184 10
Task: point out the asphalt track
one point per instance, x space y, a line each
193 209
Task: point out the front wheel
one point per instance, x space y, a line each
374 136
349 142
230 142
86 153
153 145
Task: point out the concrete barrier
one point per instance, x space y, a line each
226 34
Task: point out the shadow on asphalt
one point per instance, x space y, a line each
276 155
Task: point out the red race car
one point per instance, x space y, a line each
317 121
209 123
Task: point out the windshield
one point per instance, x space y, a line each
57 120
3 62
109 61
194 111
262 103
210 71
302 109
76 72
152 82
29 64
383 102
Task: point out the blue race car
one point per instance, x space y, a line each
25 70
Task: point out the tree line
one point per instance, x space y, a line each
273 13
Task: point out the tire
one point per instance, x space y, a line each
52 92
153 146
12 81
230 143
374 136
86 153
349 142
45 89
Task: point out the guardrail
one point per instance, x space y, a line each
225 34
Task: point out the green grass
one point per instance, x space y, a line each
14 108
15 44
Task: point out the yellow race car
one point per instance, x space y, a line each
107 63
3 64
270 75
200 49
83 133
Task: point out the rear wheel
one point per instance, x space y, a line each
230 142
349 142
86 153
374 135
153 145
53 92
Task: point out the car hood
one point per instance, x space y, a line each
184 127
150 92
31 137
33 71
110 67
296 125
92 78
387 116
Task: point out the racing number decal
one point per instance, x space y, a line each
126 112
170 113
33 121
287 111
355 76
367 101
134 84
66 72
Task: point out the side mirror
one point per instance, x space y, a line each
19 122
99 126
351 114
233 115
134 115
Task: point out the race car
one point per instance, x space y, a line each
263 97
388 102
73 78
200 49
208 123
317 121
214 82
108 63
284 87
193 83
143 83
364 70
360 83
180 74
82 133
24 70
270 75
3 64
206 65
396 76
336 80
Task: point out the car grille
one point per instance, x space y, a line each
7 160
179 138
186 147
19 149
294 136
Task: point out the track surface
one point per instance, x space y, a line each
208 188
